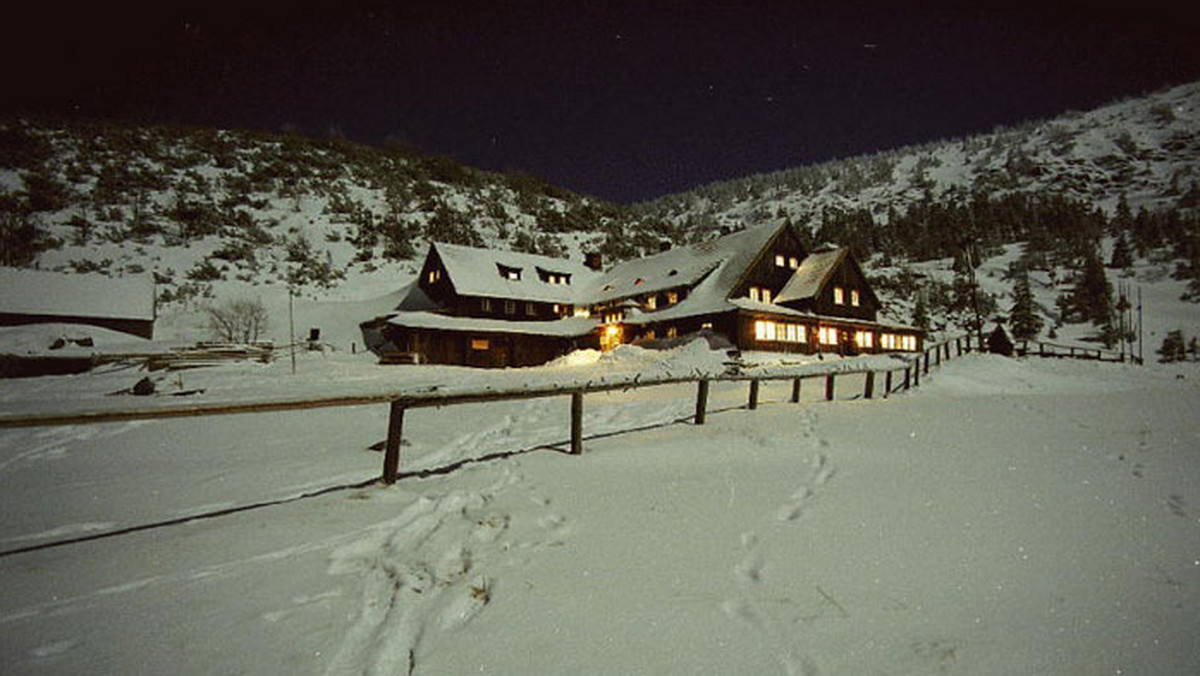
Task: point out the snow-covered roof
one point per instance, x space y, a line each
477 272
569 327
38 292
811 275
717 265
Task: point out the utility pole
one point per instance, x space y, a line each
1141 338
291 329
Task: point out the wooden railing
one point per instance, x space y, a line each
1035 348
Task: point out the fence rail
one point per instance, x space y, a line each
895 379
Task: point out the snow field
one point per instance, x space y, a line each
1033 516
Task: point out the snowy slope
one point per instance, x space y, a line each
1008 517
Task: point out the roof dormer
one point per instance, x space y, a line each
508 272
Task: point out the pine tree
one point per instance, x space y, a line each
1024 319
1091 299
920 314
1121 257
1172 348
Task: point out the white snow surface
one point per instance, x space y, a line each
1007 517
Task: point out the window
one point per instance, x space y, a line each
760 294
672 297
793 263
789 333
764 330
510 273
651 302
864 339
649 334
908 342
530 309
510 307
887 341
479 344
839 295
780 261
672 332
766 295
485 304
827 335
854 297
754 293
801 334
706 325
557 309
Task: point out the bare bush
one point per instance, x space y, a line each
237 321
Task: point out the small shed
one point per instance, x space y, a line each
123 304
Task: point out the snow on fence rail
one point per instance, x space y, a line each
896 378
1043 349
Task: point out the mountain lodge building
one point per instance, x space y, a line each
757 287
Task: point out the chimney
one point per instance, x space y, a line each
593 260
664 245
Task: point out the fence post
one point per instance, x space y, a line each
829 387
576 423
1041 349
958 346
907 377
947 345
917 372
869 388
701 401
937 350
753 403
887 384
926 367
795 390
391 448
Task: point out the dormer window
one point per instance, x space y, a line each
434 275
854 298
780 261
510 273
672 297
839 295
651 302
760 294
552 277
793 262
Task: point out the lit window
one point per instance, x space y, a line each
793 263
651 302
479 344
789 333
754 293
672 298
839 295
801 334
706 325
854 297
764 330
864 339
557 309
828 335
649 334
887 341
672 332
779 260
766 295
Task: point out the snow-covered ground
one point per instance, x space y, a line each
1008 517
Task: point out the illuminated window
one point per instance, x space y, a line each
672 298
651 302
479 344
508 272
779 260
789 333
755 293
706 325
557 309
839 295
672 332
766 295
764 330
793 263
864 339
801 334
908 342
649 334
887 341
828 335
854 297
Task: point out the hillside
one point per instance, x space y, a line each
218 214
1147 148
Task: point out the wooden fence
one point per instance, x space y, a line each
1044 349
894 379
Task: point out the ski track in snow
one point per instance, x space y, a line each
432 569
776 617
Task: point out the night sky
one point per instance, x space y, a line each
626 101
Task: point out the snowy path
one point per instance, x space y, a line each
1037 517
